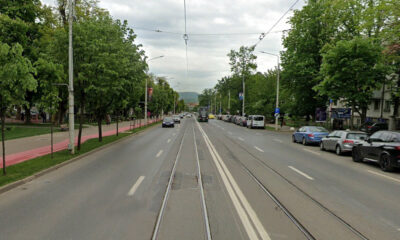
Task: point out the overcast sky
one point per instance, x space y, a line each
207 54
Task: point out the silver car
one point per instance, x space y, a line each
341 141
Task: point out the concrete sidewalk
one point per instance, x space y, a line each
22 149
284 128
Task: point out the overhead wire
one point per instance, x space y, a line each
263 35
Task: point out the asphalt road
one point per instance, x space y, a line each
254 184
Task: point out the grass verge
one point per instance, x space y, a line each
25 169
270 128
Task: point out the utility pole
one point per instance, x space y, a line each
243 94
220 103
277 89
215 104
71 127
145 92
229 101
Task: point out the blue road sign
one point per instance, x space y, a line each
277 110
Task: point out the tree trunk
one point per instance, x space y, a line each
100 132
117 121
51 134
27 114
81 120
3 119
18 116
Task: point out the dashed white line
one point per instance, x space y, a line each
135 186
277 140
241 139
301 173
159 153
247 215
259 149
230 133
169 140
311 151
382 175
223 128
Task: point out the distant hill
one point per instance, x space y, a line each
189 97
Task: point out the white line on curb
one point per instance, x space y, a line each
311 151
382 175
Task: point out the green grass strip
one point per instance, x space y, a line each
28 168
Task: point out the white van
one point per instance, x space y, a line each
255 121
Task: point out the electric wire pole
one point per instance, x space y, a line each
71 82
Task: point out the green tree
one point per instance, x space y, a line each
351 71
16 76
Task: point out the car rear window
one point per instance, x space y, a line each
317 129
356 136
258 118
167 119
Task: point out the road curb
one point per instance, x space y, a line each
17 183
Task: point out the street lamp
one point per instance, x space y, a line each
277 90
145 91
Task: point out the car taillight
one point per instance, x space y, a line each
311 135
369 126
348 141
397 148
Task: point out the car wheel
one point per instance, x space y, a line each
338 150
385 163
355 155
321 146
304 141
293 139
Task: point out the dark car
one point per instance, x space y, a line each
342 141
309 134
383 147
370 127
168 122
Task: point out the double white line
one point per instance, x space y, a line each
248 217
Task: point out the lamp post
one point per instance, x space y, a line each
277 87
145 91
71 122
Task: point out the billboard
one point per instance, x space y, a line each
320 114
341 113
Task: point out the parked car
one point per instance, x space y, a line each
309 134
168 122
342 141
256 121
370 127
243 121
227 118
237 120
383 147
233 119
176 118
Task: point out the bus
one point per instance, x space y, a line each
203 114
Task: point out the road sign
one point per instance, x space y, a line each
277 110
241 96
276 115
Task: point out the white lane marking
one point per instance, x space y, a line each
301 173
246 213
230 133
277 140
259 149
241 139
169 140
173 134
223 128
159 153
383 175
311 151
200 182
136 186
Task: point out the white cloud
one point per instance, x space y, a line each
207 53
